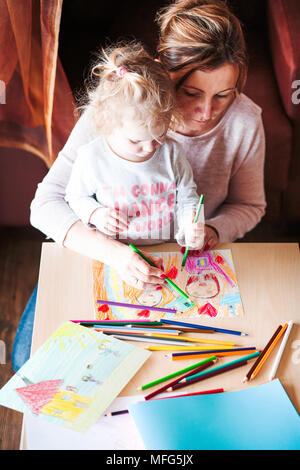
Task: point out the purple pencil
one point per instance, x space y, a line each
144 307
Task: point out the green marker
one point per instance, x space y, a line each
171 283
195 220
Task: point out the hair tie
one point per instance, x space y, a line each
121 72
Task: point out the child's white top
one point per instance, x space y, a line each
149 192
227 162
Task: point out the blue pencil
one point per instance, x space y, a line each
193 325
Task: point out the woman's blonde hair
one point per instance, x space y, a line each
126 77
201 35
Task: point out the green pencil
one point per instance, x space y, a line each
171 283
178 372
237 361
195 220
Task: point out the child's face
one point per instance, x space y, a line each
135 143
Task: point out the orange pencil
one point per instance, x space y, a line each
268 352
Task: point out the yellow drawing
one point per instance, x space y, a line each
66 405
67 333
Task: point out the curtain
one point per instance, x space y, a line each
37 108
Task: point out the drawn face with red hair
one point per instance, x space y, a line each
203 286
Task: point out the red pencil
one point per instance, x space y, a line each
165 387
206 392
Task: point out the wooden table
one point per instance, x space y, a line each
268 276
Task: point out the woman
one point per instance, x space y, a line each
202 46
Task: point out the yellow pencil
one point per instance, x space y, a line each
196 340
268 352
183 348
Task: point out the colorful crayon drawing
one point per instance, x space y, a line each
74 376
209 280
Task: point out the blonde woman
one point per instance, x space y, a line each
202 47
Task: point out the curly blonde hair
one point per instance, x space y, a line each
201 35
125 77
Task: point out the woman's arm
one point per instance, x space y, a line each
245 203
50 213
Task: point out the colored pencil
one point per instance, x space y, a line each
171 283
139 330
171 384
224 354
118 322
268 352
217 352
205 392
170 327
184 348
175 374
193 325
140 307
212 373
116 413
195 221
224 366
280 351
203 340
263 352
148 339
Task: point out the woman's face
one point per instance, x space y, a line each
204 97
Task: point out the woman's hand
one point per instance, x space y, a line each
109 221
135 271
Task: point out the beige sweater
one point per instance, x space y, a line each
227 162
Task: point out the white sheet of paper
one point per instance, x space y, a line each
108 433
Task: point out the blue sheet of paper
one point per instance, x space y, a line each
257 418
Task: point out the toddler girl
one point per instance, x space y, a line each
131 182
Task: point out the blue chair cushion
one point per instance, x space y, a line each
23 338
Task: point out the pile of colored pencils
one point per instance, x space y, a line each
169 335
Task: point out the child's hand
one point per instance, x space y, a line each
135 271
109 221
194 233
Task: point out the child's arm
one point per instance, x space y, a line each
190 233
130 266
80 194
